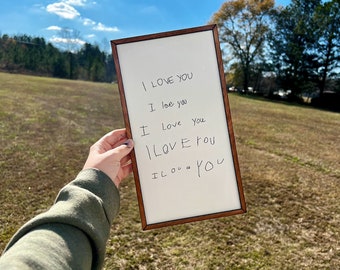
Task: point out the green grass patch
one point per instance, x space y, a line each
289 161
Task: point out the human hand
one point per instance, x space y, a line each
111 155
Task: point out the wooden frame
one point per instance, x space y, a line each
176 109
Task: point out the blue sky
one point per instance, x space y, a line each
98 21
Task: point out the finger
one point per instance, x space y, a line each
122 141
115 136
125 160
109 140
124 172
121 151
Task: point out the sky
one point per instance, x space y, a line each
99 21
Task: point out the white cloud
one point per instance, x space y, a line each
87 22
91 36
99 26
75 2
54 28
63 10
66 9
102 27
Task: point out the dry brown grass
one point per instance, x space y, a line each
289 159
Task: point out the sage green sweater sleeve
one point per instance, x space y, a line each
73 233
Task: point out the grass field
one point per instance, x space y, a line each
289 159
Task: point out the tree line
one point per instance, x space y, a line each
294 48
33 55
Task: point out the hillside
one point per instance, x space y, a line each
289 161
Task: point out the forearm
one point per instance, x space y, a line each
73 233
50 246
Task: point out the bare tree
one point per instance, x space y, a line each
243 25
70 41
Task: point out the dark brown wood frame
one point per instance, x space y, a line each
213 28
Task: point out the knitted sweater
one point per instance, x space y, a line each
72 234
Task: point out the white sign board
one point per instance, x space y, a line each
176 110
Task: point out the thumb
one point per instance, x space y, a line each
122 150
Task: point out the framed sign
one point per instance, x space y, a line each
176 109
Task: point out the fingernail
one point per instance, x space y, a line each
128 143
